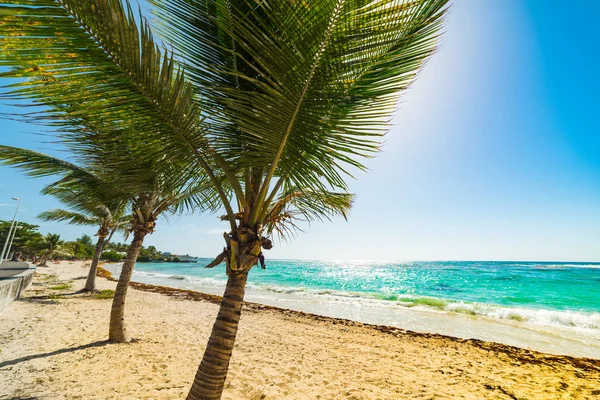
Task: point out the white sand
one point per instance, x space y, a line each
55 348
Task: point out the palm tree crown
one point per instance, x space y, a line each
278 103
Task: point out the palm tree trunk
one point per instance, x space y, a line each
90 283
210 377
44 262
107 241
117 329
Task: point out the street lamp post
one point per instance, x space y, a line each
10 230
11 242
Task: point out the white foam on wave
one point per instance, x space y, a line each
557 318
573 319
565 266
279 289
545 317
198 281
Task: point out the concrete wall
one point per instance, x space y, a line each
14 279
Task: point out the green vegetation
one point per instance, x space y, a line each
61 286
32 244
26 237
104 294
46 278
50 247
116 252
112 256
81 248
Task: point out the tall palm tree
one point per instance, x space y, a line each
299 92
98 215
278 102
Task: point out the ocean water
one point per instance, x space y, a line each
552 307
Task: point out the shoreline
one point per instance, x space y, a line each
54 346
557 340
523 354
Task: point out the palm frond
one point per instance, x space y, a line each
275 95
198 196
295 206
38 164
97 72
301 91
71 217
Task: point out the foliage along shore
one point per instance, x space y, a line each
31 244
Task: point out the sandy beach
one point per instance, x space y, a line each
53 345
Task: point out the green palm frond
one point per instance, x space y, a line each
123 224
275 94
296 206
92 66
198 195
71 217
38 164
81 187
52 242
301 90
101 199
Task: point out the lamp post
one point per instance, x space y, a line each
11 242
10 230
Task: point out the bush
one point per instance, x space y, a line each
111 256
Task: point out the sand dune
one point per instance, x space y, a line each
53 346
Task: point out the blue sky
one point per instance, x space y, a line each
495 153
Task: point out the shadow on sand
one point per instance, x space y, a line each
98 343
50 298
25 398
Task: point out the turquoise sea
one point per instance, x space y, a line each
560 299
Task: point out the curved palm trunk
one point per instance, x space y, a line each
90 283
210 378
117 330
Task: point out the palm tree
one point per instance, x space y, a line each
300 91
156 195
278 103
94 202
48 247
147 207
96 215
103 100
